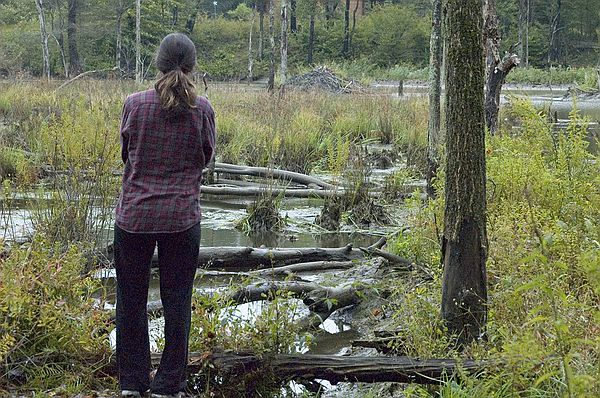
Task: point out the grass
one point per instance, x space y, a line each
575 76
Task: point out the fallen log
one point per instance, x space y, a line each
239 258
266 172
259 258
334 369
303 267
257 191
318 298
321 301
404 263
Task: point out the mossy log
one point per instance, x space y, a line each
334 369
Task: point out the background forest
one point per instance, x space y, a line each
373 36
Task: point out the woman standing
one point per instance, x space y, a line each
167 137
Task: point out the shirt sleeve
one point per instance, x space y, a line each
124 131
209 135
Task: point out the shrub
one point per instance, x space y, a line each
543 284
52 330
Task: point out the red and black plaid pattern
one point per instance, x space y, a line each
164 154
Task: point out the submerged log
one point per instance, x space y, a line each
334 369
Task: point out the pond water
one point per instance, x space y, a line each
552 99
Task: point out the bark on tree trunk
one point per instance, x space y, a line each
354 22
271 83
284 40
464 245
346 46
293 24
119 33
138 42
435 90
250 55
75 65
44 36
524 19
493 87
175 16
496 69
191 21
311 38
553 49
63 56
261 32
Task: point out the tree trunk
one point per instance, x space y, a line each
250 55
527 21
261 32
493 87
284 40
311 38
75 65
435 89
138 42
464 244
119 33
191 21
496 69
353 22
271 83
553 48
44 36
346 45
174 16
293 24
63 56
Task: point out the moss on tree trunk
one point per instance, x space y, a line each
464 246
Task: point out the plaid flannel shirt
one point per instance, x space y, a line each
164 154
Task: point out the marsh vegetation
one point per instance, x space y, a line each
60 149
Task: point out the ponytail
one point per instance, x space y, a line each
176 90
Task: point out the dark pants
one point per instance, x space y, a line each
178 259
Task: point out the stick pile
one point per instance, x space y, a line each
321 78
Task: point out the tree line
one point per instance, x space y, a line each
67 37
